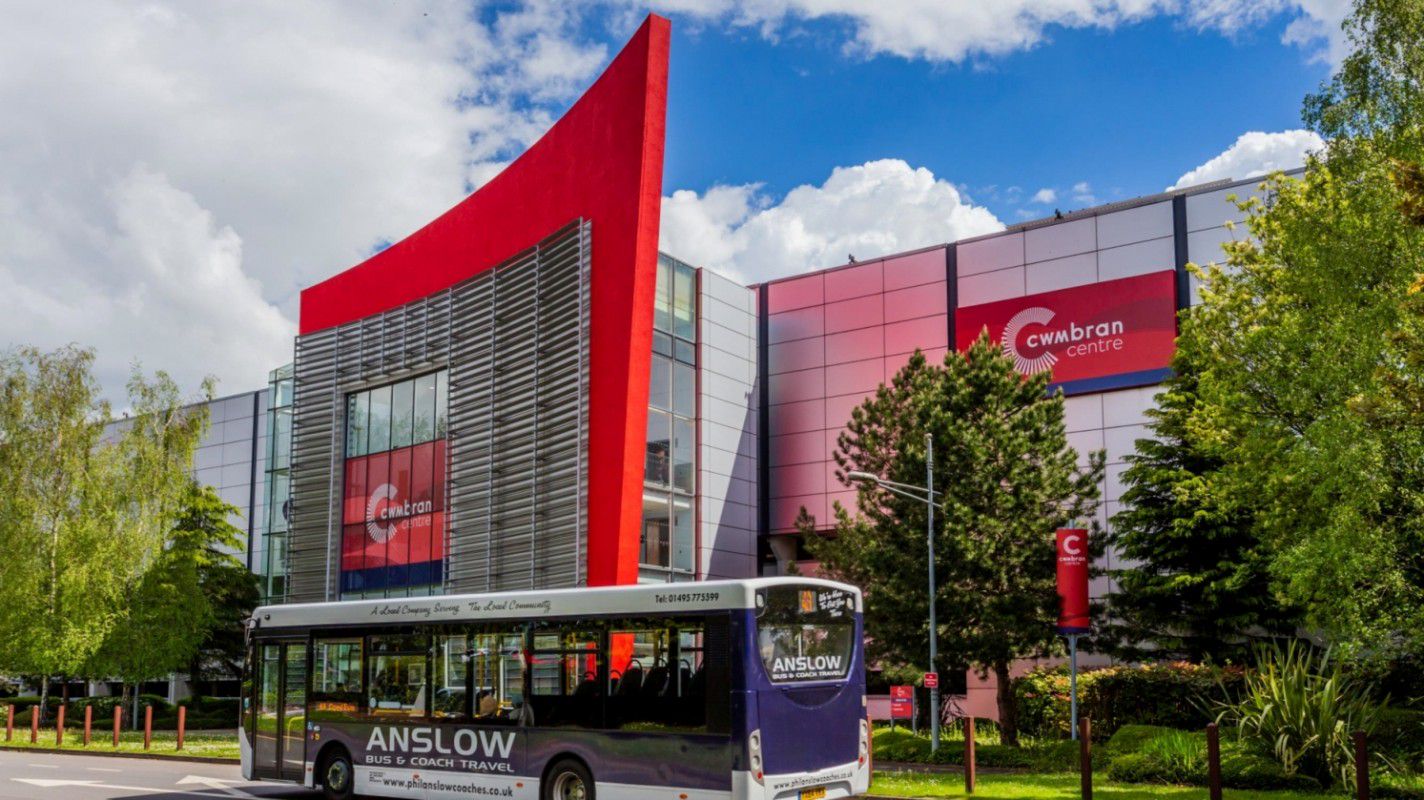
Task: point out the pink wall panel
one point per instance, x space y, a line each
797 293
934 355
806 384
846 498
798 479
924 333
807 415
798 324
860 312
854 282
855 376
799 448
833 484
792 356
838 409
784 511
916 301
855 345
913 270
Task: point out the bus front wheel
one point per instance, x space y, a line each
568 780
337 776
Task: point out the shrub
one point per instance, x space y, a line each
1304 709
1174 695
1148 754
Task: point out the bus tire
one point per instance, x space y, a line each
568 779
338 778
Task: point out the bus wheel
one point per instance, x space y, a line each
568 780
337 777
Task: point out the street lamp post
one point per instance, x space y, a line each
925 494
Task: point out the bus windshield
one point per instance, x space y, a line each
805 633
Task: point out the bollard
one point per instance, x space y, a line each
969 764
182 721
9 722
147 725
1085 755
1213 762
118 720
1362 768
59 727
88 723
34 724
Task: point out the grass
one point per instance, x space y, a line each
209 744
1048 787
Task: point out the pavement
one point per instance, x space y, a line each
51 776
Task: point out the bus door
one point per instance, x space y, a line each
279 747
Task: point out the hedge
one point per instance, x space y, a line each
1155 754
1173 695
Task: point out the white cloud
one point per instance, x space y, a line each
1044 196
1083 193
1255 153
956 30
869 210
172 173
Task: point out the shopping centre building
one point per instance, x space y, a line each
526 394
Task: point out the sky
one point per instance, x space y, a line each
172 174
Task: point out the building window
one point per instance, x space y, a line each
270 556
670 467
393 514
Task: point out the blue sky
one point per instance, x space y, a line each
1128 110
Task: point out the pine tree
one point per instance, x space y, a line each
1197 586
1007 479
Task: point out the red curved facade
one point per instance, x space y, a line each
603 163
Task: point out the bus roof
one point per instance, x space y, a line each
662 598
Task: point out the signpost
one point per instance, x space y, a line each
1073 618
902 703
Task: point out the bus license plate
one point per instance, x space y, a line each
817 793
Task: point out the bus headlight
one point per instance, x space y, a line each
754 755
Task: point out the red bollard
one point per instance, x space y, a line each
147 725
118 720
88 723
34 724
182 722
969 765
9 722
59 727
1213 762
1085 754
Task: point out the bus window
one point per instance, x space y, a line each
656 679
497 669
396 677
805 634
565 668
450 682
336 678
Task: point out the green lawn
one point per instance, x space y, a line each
1048 787
211 744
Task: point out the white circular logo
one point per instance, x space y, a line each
1033 315
379 526
1072 545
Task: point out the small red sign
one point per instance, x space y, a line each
931 680
902 702
1072 545
1094 331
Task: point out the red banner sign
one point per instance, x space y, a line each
902 702
1073 581
394 518
1093 331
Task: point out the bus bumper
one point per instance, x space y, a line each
845 780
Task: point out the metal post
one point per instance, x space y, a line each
934 632
1073 680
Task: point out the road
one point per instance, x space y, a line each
47 776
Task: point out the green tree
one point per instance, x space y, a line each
228 588
1294 333
1198 586
81 517
1008 478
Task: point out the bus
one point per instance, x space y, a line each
722 689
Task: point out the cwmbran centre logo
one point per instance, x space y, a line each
1073 339
1033 315
384 512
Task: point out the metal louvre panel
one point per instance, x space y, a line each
515 342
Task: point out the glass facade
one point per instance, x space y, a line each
270 557
393 518
668 535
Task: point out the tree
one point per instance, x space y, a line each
1008 479
81 517
191 602
1198 586
1293 336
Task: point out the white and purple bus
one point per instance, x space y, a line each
727 689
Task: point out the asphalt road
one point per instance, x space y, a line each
47 776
